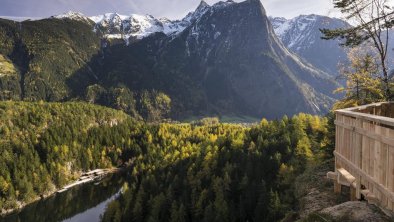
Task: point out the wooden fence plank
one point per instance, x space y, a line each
364 147
379 187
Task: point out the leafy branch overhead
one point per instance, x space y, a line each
371 20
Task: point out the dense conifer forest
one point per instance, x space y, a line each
46 145
199 171
221 172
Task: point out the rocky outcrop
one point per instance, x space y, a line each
357 211
319 203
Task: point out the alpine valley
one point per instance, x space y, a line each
222 116
223 59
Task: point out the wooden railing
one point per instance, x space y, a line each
364 153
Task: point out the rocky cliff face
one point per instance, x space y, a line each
301 35
223 59
235 64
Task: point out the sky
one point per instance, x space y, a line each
172 9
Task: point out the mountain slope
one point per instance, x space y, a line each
301 35
46 53
54 143
136 27
215 64
249 73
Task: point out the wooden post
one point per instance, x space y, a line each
359 144
337 185
358 187
353 196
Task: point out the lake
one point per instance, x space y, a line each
82 203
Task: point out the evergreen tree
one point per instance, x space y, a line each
261 210
275 208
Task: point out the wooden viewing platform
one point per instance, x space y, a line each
364 153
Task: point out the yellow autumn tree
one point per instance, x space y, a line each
363 82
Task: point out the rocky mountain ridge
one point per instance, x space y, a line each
301 35
136 27
226 61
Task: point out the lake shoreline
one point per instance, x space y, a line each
85 177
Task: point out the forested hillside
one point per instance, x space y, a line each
48 54
191 171
221 172
45 145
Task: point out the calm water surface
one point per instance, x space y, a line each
83 203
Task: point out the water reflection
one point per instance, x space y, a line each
83 203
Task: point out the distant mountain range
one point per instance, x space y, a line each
301 35
136 27
223 59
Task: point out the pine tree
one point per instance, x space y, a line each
138 209
209 213
261 210
178 214
275 207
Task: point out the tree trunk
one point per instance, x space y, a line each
387 91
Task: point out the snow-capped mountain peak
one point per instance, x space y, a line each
280 25
203 4
299 28
110 17
201 9
135 27
303 30
113 25
302 36
73 15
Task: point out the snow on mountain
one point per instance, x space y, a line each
116 26
113 25
298 32
280 25
302 36
219 59
229 55
73 15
